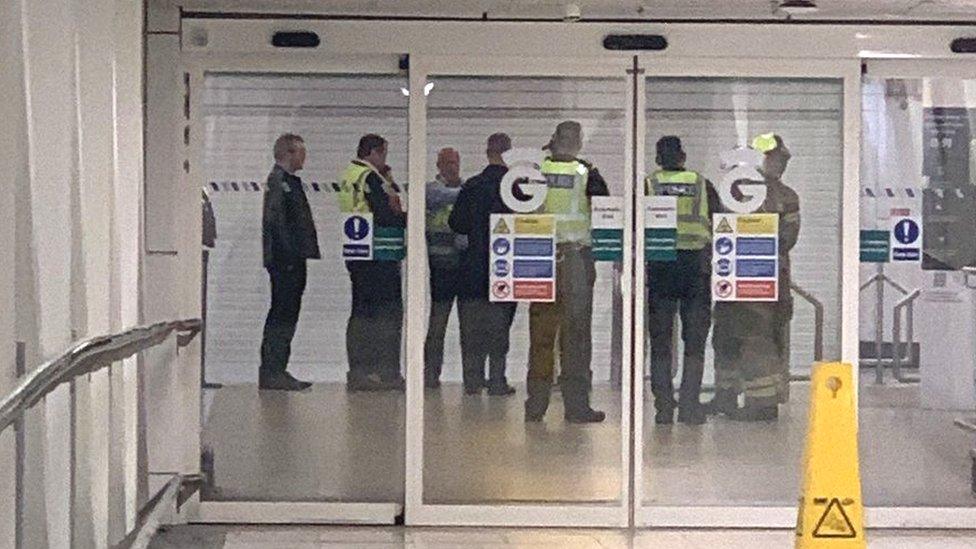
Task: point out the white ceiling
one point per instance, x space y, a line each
874 10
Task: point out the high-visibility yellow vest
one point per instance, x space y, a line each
353 187
566 199
694 224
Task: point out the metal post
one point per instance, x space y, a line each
879 326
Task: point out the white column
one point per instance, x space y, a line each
52 129
13 163
128 25
96 143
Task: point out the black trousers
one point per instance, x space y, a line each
679 287
443 291
287 287
375 326
485 330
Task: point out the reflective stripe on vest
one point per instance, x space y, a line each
353 188
694 224
566 199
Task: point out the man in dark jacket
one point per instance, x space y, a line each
484 325
375 327
289 238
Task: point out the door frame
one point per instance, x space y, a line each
352 46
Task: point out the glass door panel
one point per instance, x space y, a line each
735 321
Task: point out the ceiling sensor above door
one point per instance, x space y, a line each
797 7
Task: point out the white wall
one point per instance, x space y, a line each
72 158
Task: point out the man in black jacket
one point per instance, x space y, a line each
289 239
484 325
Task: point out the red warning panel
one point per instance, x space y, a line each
756 289
536 290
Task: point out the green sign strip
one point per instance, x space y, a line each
388 244
875 246
660 244
608 244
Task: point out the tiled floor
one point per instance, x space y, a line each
240 537
328 445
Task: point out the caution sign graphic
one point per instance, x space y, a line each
724 226
501 227
834 523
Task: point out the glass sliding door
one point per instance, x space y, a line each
918 198
738 306
524 417
287 301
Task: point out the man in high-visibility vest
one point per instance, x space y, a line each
681 286
571 182
443 248
752 340
373 334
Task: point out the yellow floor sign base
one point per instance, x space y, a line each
831 512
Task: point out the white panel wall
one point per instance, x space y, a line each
246 113
13 145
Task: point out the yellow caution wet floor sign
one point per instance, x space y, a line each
831 511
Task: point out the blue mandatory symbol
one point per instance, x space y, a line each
501 246
907 231
723 246
723 267
502 267
356 228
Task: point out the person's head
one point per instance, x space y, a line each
566 141
449 165
372 149
670 155
776 154
498 145
289 152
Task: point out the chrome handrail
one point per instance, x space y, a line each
880 279
818 320
909 303
86 356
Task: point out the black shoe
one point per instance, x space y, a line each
533 417
282 382
586 416
724 402
664 417
394 384
502 389
692 416
476 390
432 384
368 384
756 413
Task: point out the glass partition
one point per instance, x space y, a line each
304 308
918 221
523 404
743 275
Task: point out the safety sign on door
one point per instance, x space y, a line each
363 241
522 258
660 228
357 236
607 227
906 237
745 260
